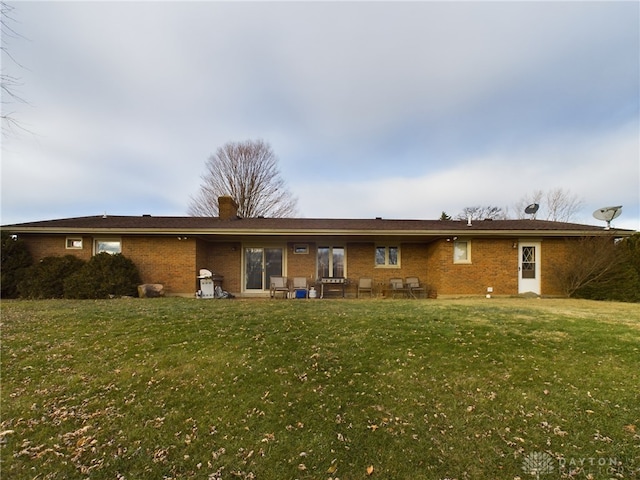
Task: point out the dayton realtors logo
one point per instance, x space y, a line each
541 463
538 463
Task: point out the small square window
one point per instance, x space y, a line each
74 243
461 251
301 249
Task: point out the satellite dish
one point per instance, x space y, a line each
532 209
607 214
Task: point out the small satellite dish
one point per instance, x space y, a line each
532 209
607 214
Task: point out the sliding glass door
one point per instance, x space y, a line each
260 263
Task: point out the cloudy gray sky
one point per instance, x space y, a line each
392 109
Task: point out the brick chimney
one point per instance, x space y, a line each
227 208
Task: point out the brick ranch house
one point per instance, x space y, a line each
449 257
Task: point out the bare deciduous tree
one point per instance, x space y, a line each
248 172
562 205
524 202
591 261
9 83
558 205
482 213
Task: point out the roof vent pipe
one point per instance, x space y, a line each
469 221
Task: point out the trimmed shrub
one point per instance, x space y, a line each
45 279
15 261
103 276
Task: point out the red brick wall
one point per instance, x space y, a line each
554 254
41 246
437 258
302 264
175 263
165 260
494 263
361 263
201 257
224 258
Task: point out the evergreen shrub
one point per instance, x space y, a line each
15 261
46 278
104 276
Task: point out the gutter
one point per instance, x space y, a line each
326 232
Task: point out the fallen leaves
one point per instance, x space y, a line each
601 438
3 436
160 455
388 402
557 430
268 437
297 426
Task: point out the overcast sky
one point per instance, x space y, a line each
392 109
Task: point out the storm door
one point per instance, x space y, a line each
259 264
529 267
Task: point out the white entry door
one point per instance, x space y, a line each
529 267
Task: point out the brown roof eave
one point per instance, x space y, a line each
543 233
324 232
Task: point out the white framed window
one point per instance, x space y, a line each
331 262
462 251
111 246
387 256
73 243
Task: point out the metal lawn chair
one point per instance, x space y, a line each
397 286
278 285
415 287
300 284
365 285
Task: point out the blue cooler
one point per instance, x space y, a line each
301 294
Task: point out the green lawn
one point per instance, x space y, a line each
318 389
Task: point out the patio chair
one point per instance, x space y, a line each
397 286
365 285
415 287
299 284
278 284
